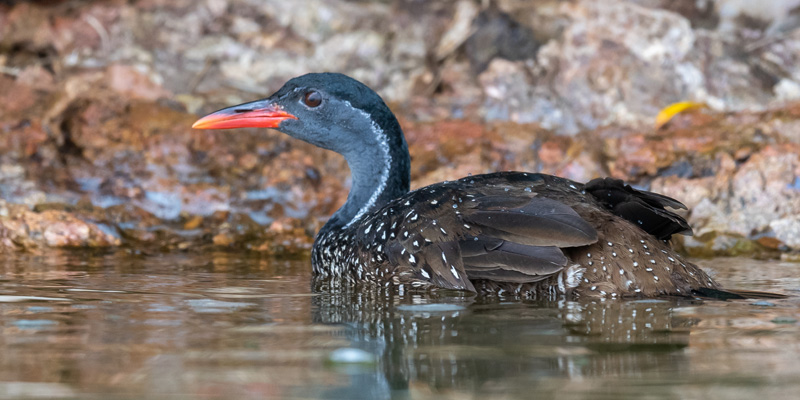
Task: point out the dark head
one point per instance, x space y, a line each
329 110
337 113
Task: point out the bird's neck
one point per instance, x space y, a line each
380 173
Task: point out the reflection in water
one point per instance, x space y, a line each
461 344
221 325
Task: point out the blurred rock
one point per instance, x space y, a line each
22 229
497 35
701 14
96 149
459 30
133 84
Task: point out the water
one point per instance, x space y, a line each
223 326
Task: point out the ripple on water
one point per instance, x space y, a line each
13 299
33 323
216 306
431 308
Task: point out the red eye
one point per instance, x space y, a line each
312 99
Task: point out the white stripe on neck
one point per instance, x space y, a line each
384 146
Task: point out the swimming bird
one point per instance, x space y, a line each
517 233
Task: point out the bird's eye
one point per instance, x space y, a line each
312 99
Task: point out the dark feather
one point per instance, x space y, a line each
657 222
536 222
500 275
443 263
645 209
510 262
434 262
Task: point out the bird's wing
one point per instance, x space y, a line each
447 234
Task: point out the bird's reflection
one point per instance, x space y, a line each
442 343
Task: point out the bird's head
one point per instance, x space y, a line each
329 110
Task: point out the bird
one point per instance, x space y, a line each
524 234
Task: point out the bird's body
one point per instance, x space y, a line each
525 234
522 233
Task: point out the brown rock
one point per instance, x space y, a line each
23 229
222 239
130 82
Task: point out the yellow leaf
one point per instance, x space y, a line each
666 113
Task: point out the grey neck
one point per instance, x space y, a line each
380 173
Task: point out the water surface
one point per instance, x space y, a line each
221 326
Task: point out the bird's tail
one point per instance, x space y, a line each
735 294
